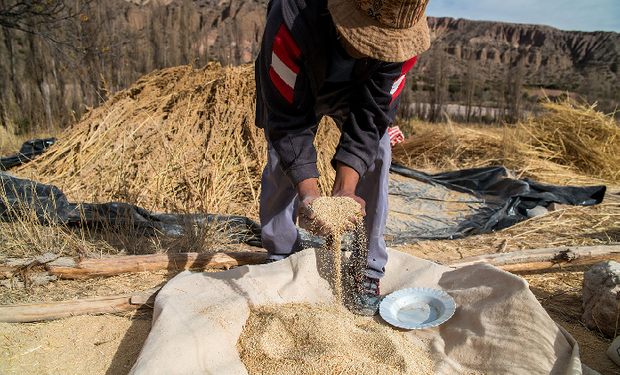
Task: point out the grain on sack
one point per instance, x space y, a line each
302 339
336 212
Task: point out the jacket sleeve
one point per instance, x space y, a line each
373 108
286 100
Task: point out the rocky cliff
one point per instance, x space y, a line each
108 45
567 59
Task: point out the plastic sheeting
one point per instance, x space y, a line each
20 197
422 207
27 152
455 204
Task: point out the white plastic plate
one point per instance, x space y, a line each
417 308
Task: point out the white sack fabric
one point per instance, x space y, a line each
498 327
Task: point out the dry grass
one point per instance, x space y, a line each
24 236
577 136
570 144
178 140
448 146
9 142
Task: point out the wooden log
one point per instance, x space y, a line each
35 312
538 259
136 263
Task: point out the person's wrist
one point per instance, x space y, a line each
346 179
307 188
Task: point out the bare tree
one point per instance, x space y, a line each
514 88
36 17
471 85
438 83
67 42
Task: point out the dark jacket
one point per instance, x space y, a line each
293 95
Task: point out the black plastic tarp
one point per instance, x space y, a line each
27 152
422 207
455 204
47 204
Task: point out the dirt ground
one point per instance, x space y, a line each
110 344
106 344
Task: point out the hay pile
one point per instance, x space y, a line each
179 140
449 147
301 339
576 136
568 143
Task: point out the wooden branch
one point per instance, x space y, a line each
135 263
538 259
35 312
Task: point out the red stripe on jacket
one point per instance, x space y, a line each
285 47
405 69
283 88
283 73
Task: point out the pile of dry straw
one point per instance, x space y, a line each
180 139
569 143
183 139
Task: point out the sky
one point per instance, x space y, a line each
581 15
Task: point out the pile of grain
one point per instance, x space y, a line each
301 339
337 213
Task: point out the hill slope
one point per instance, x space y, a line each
115 42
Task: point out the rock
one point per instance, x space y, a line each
601 285
537 211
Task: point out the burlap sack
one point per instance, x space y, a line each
498 327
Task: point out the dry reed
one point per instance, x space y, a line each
578 136
180 139
450 146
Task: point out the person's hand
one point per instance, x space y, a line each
308 191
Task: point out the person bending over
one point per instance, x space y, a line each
346 59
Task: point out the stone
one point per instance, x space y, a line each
600 291
537 211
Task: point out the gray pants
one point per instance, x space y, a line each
279 203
